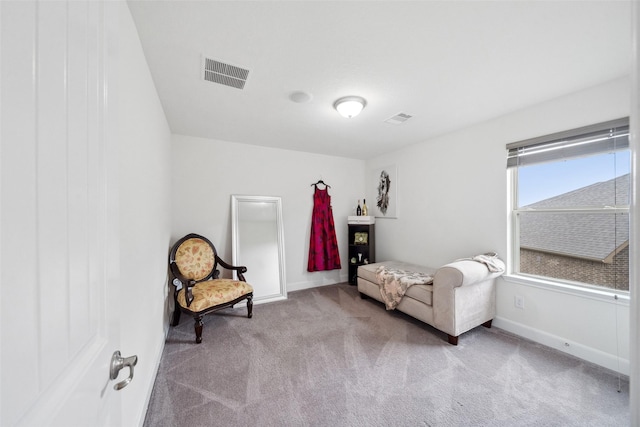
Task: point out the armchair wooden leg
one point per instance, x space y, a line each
452 340
487 324
198 328
176 316
250 307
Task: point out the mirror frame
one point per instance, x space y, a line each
235 200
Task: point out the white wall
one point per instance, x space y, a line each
205 173
144 216
453 204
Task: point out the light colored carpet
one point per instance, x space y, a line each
326 357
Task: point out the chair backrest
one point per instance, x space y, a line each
195 257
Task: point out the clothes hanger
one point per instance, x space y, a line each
321 182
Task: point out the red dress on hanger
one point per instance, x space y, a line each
323 245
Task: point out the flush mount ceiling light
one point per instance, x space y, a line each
350 106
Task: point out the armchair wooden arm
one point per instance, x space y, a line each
185 283
238 269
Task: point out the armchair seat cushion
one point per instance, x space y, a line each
211 293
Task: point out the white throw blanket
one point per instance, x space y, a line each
394 284
490 259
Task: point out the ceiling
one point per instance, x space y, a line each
449 64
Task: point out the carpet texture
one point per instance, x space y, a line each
326 357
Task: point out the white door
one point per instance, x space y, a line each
58 212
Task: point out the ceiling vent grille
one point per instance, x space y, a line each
398 119
224 74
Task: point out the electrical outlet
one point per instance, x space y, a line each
519 301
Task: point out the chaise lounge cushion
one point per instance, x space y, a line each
422 293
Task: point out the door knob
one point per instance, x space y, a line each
117 363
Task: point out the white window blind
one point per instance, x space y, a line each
599 138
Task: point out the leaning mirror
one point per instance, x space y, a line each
258 244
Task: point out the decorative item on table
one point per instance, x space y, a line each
365 211
353 260
359 257
358 209
361 238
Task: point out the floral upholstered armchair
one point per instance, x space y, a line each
198 289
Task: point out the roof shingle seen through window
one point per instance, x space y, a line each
582 235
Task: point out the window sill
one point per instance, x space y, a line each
606 295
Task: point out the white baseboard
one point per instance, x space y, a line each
158 359
323 281
609 361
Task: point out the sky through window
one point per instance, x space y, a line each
542 181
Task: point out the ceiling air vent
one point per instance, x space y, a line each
224 74
398 119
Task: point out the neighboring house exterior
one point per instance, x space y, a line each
588 247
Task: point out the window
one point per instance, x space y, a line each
570 206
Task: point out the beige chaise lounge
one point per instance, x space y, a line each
461 297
